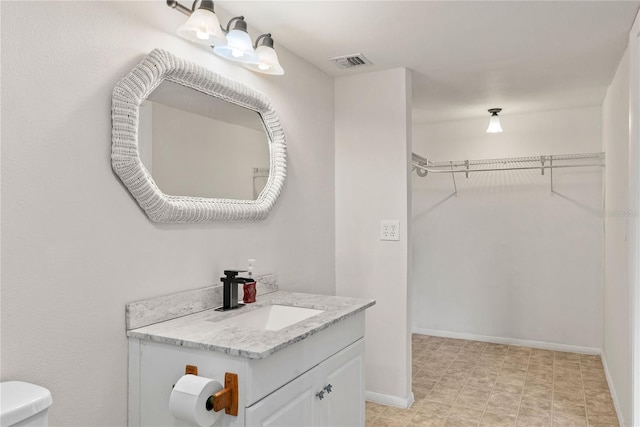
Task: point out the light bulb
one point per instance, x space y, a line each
203 27
267 60
239 46
494 121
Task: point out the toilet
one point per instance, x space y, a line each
24 405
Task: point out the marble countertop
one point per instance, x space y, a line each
202 330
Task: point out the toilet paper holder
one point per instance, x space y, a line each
227 398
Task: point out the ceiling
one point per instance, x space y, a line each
466 56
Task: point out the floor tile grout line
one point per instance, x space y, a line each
463 386
457 395
584 395
522 392
484 407
426 362
452 406
467 381
553 386
438 380
484 410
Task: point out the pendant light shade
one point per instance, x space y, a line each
239 46
494 121
203 26
267 58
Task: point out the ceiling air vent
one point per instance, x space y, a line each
351 61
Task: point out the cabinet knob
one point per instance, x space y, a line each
328 388
320 395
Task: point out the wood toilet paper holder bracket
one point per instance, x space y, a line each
227 398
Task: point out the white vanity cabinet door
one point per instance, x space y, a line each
344 405
297 404
293 405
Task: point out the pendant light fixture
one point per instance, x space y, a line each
203 26
239 47
494 121
267 57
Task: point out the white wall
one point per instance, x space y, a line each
506 258
617 291
373 139
76 247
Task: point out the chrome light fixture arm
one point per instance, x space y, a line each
173 4
204 4
268 41
232 20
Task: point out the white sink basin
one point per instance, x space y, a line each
271 317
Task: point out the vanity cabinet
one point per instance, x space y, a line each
331 394
281 389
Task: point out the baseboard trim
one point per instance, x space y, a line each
510 341
386 399
614 395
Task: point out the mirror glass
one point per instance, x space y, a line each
194 144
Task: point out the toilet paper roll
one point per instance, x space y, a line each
189 398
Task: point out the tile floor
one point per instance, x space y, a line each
471 383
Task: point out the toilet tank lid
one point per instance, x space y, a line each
20 400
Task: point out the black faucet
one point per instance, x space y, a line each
230 289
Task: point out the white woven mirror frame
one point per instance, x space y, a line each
134 88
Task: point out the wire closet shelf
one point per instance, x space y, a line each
424 166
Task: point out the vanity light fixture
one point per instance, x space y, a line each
267 57
203 27
239 47
494 121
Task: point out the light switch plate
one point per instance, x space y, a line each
389 230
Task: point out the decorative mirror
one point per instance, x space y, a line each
194 146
